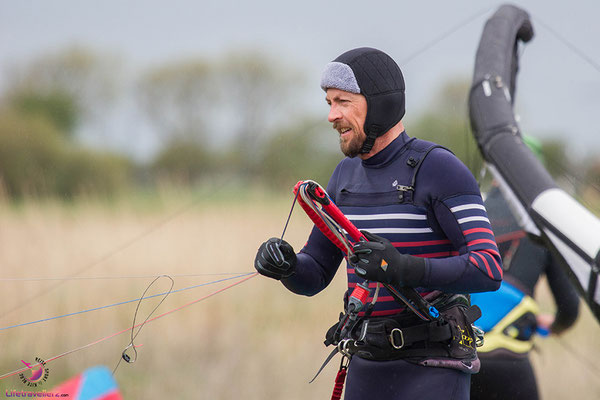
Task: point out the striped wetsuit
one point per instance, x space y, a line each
443 220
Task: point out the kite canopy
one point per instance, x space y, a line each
568 229
95 383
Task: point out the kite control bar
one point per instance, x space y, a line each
335 225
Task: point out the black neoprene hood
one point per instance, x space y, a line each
376 76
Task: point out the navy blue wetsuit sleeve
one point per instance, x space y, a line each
565 296
317 264
318 260
459 212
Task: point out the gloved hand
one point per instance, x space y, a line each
275 260
401 269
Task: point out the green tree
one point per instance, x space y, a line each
555 157
256 95
46 102
591 191
304 150
593 173
180 99
183 161
197 105
37 161
446 122
57 106
91 173
67 88
30 150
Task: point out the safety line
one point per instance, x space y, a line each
445 35
15 372
287 221
123 302
82 278
568 44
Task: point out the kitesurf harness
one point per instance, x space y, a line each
510 321
441 329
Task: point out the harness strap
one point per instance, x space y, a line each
432 332
408 191
388 340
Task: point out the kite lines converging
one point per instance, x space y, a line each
56 357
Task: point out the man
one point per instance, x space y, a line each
510 315
422 212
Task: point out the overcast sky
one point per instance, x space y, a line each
433 41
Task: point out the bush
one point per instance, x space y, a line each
31 151
36 161
91 173
183 161
306 151
58 107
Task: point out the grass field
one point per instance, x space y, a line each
253 341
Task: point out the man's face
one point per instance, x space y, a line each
347 113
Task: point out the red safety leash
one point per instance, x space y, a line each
340 378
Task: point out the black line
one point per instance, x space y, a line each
578 250
444 35
569 45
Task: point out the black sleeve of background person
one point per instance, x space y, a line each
528 264
565 296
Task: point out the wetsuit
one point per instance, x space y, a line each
443 220
509 314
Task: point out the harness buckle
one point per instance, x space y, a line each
392 338
343 347
479 335
404 188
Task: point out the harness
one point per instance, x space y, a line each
510 320
407 337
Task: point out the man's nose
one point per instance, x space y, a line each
334 114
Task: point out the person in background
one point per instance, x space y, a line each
511 316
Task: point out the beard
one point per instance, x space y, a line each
352 145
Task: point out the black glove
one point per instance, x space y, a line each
275 260
401 270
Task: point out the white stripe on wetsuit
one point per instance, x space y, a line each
467 207
471 219
370 217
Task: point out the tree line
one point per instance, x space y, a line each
237 117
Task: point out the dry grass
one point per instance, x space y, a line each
254 341
567 366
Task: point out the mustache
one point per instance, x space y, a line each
338 125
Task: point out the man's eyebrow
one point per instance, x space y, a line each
336 97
